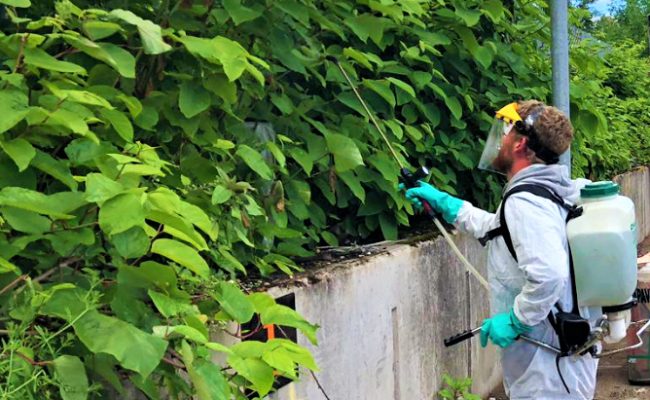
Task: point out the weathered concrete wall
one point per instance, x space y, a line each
636 185
383 321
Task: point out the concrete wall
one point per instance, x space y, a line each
636 185
383 321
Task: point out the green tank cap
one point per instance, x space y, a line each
599 189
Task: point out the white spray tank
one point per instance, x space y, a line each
603 244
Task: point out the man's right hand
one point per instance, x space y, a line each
441 202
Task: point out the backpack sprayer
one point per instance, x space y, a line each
593 236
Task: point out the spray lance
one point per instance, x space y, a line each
410 179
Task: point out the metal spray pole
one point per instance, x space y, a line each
560 56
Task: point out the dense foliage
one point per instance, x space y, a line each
154 150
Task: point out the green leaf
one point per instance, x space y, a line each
121 213
240 13
484 56
280 359
388 226
221 194
41 59
257 372
234 302
132 243
98 30
255 161
17 3
170 307
13 108
100 188
358 56
228 262
219 50
71 375
285 316
64 243
55 168
150 33
303 159
470 17
179 228
354 184
365 26
120 123
134 349
193 99
469 40
494 9
214 385
403 85
382 88
345 151
120 59
454 106
26 221
20 151
25 199
182 254
6 266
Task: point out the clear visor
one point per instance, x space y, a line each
499 129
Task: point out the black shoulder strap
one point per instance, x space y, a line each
537 190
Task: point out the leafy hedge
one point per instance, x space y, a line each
153 150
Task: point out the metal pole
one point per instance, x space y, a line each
649 34
560 56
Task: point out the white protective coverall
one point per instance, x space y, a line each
534 285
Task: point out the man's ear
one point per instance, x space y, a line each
521 145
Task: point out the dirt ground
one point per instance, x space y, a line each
612 372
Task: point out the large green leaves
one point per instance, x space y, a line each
121 213
345 151
255 161
150 33
13 108
181 254
133 348
193 99
21 151
220 50
71 374
41 59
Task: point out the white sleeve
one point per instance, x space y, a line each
474 220
538 233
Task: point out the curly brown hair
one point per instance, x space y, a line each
552 126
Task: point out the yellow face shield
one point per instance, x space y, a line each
504 121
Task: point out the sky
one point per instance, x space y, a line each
601 6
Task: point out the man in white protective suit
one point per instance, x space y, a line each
528 261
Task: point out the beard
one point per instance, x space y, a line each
503 161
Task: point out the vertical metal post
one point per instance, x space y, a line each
560 56
649 34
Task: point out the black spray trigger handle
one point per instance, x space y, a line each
461 337
411 179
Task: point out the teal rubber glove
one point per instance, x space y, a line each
503 329
441 202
